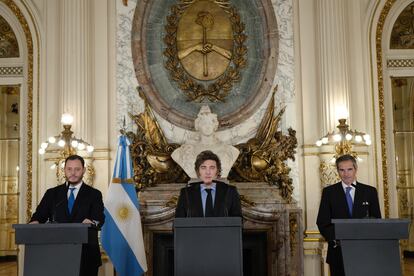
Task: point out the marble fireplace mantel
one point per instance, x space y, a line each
264 211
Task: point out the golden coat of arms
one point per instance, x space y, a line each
205 48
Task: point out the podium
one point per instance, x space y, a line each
371 246
53 249
208 246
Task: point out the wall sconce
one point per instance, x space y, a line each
343 139
66 140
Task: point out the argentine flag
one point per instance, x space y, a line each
122 233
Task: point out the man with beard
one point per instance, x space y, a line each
75 202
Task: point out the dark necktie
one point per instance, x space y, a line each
209 204
71 200
349 200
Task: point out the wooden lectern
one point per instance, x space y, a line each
53 249
208 246
371 246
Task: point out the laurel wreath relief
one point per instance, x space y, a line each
193 89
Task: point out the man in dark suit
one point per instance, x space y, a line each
208 198
343 200
75 202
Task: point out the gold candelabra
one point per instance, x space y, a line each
344 138
68 145
65 140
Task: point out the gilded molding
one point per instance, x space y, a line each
328 174
312 251
293 231
29 121
332 152
378 41
313 233
313 240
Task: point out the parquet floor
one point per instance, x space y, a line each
408 266
8 268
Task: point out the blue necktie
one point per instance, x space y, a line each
349 199
71 200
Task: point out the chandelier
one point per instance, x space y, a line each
67 144
65 140
344 138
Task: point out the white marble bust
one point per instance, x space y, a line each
206 125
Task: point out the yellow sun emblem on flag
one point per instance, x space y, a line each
123 212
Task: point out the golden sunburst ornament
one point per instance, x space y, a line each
124 212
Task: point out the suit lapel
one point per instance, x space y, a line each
196 196
359 196
62 199
219 199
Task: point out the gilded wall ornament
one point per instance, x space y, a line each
205 48
9 48
264 157
328 174
402 36
294 228
151 153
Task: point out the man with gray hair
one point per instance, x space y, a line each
347 199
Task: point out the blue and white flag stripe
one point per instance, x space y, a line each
122 233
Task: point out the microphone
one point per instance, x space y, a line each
54 211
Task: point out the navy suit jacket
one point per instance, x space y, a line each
226 203
88 205
334 206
